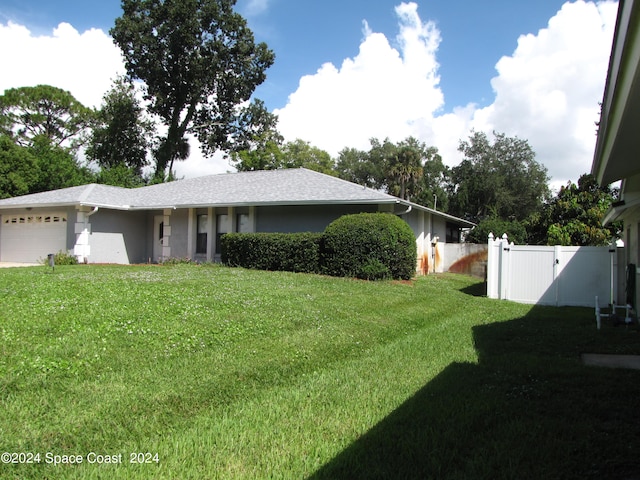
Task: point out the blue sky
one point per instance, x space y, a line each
350 70
306 34
475 34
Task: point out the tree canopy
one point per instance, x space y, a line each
121 137
41 130
199 62
27 113
498 184
18 169
408 169
497 179
574 216
274 155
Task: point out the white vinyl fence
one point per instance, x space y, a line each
554 275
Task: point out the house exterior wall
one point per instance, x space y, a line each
421 222
179 242
103 235
431 237
439 228
117 237
303 218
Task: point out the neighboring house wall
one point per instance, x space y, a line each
631 219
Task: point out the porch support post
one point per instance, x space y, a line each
191 226
252 219
82 229
211 223
166 239
423 259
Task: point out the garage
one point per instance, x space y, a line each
29 237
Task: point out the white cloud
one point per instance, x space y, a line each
256 7
547 91
198 165
82 63
381 92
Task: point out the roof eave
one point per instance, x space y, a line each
457 220
283 203
622 70
38 205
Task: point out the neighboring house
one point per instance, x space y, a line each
617 155
186 218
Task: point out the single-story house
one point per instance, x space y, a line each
617 154
186 218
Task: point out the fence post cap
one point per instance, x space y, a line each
491 237
504 236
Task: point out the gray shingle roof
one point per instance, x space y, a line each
92 194
289 186
266 187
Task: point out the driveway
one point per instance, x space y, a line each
15 264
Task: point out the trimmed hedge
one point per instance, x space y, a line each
291 252
369 246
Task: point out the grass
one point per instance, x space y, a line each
231 373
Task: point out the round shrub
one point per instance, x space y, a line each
370 246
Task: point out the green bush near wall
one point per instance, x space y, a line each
370 246
291 252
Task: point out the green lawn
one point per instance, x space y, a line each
211 372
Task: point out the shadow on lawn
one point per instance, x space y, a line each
478 289
528 409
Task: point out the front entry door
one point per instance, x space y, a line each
158 236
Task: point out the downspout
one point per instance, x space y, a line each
85 232
86 222
95 209
407 211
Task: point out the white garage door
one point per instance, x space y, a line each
30 237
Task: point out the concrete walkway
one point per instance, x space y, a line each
611 361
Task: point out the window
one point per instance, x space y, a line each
222 227
453 233
201 238
33 219
242 223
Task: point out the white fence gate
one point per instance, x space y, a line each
553 275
